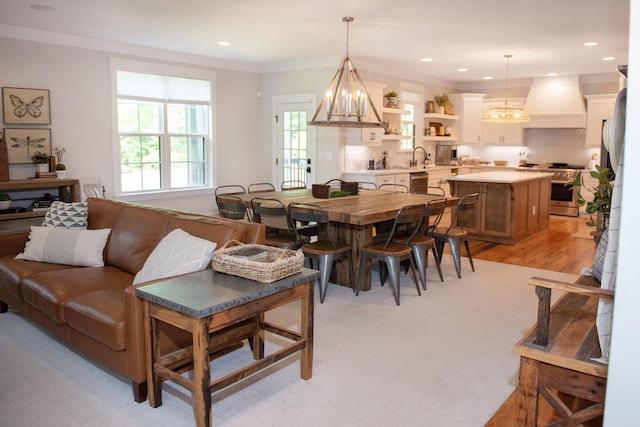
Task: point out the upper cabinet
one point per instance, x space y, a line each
469 108
373 136
500 133
599 109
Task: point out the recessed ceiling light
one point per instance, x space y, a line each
42 8
426 60
608 58
552 74
590 44
224 43
488 78
462 70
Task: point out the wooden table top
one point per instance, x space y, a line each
368 207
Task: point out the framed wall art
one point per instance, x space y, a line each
24 143
25 106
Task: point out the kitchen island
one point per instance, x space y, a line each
512 205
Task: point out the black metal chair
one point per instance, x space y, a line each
390 254
280 230
229 205
455 233
293 185
364 185
326 249
396 188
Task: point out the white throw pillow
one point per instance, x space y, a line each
66 215
70 246
177 253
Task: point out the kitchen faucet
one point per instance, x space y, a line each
413 161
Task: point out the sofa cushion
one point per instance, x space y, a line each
100 316
13 270
51 290
177 253
66 215
66 246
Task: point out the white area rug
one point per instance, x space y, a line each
441 359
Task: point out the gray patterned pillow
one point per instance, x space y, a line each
66 215
598 261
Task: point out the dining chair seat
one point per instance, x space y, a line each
392 253
455 233
326 249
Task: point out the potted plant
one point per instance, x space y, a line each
41 160
61 169
600 203
391 99
5 201
441 101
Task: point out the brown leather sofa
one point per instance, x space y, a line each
94 309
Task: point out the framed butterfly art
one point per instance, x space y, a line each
25 106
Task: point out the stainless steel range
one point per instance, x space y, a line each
564 198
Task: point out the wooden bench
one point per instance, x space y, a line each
556 355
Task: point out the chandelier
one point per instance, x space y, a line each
506 114
346 102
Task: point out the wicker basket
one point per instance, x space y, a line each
261 263
320 191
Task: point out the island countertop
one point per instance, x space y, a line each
504 177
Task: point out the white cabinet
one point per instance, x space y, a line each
500 133
599 109
447 120
373 136
469 108
436 176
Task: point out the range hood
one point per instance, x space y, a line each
556 102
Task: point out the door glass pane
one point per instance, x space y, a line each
295 145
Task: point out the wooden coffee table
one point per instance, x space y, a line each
210 305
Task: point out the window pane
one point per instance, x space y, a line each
139 117
140 162
184 118
187 161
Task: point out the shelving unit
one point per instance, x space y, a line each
393 114
68 190
449 119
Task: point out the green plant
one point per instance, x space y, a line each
600 203
4 197
442 100
39 157
391 94
61 167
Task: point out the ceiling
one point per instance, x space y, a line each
543 36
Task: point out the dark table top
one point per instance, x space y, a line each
209 292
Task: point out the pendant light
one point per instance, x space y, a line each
506 114
346 102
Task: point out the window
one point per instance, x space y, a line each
409 120
164 131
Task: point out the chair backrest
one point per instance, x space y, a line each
364 185
260 187
272 213
230 189
231 206
433 212
436 191
408 220
464 211
396 188
293 185
311 213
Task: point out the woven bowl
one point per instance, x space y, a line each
500 162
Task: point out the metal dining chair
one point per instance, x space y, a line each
260 187
280 230
364 185
229 205
455 233
293 185
391 253
396 188
326 249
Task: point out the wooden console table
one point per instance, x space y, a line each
68 191
208 305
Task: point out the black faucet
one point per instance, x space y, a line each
413 161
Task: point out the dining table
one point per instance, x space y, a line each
353 218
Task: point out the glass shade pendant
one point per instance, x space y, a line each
346 102
506 114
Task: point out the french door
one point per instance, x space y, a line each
295 147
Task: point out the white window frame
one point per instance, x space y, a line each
118 64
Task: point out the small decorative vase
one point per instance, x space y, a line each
61 174
42 167
440 109
5 204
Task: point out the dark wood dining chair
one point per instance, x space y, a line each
391 253
280 230
455 233
326 249
293 185
260 187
